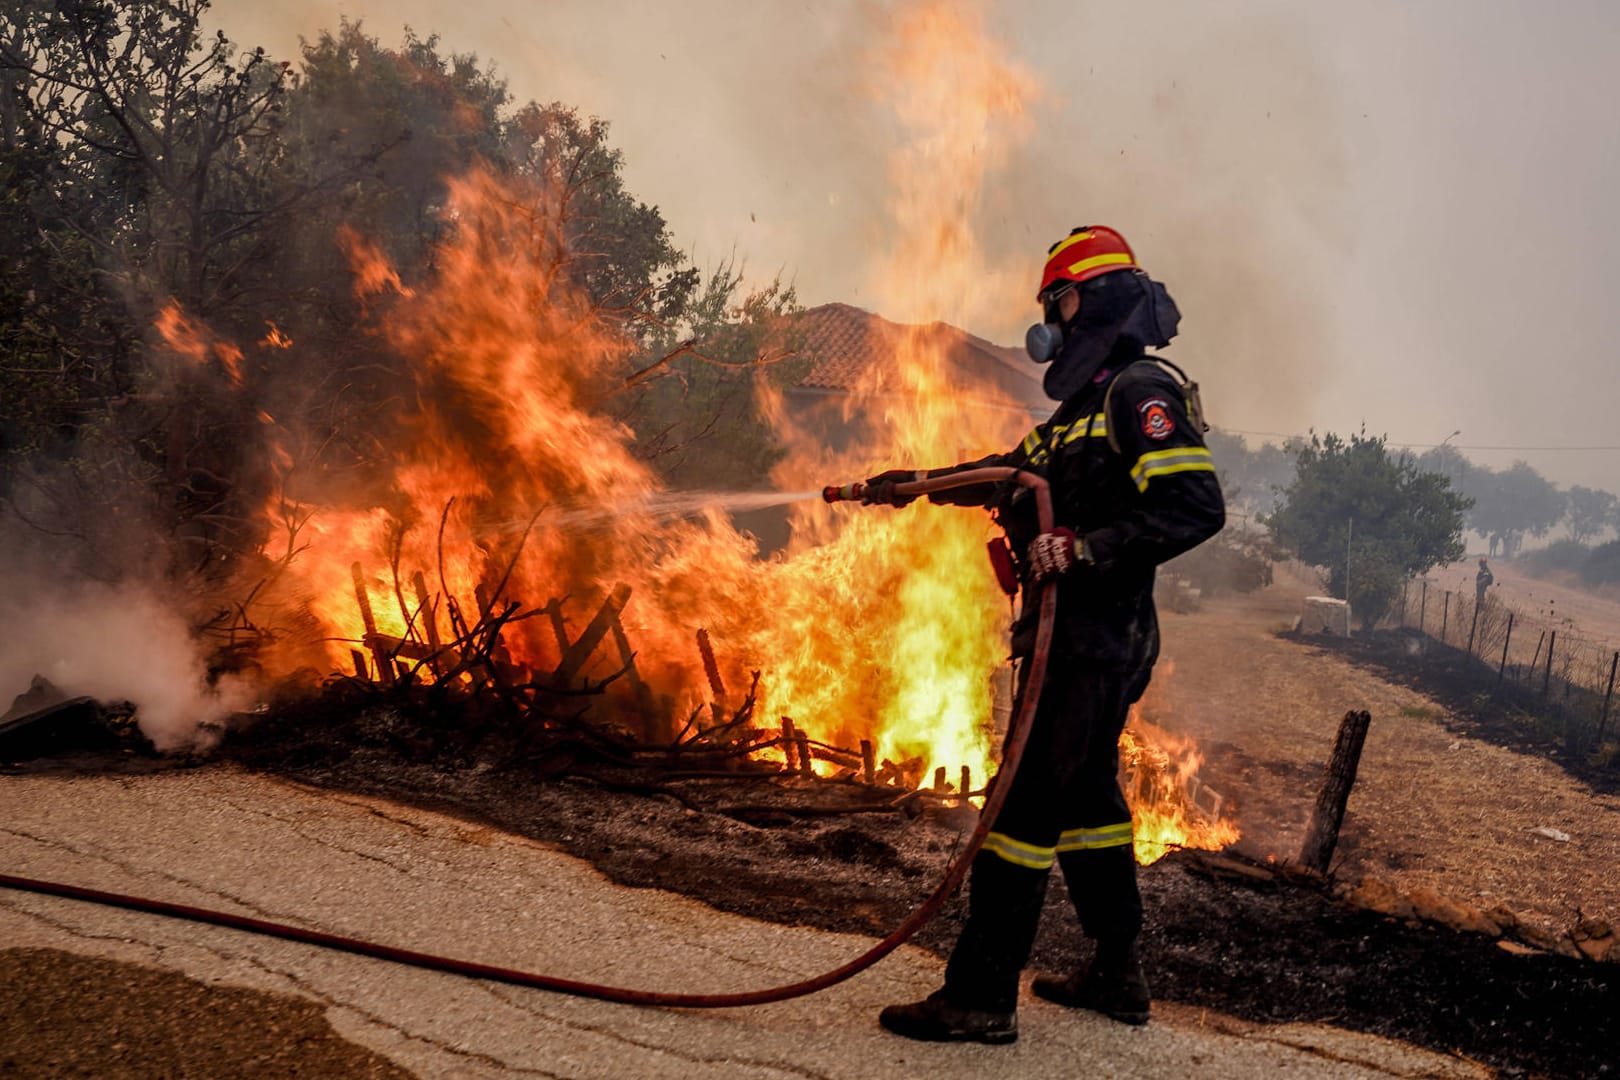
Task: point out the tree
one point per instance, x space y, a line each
1353 508
1252 478
1590 511
1513 502
695 409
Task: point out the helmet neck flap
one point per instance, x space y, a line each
1121 314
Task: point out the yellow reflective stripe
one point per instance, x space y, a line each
1176 459
1031 441
1064 245
1114 258
1019 853
1086 839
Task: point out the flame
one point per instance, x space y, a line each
275 338
194 341
874 624
1170 807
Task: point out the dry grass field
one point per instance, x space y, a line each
1431 809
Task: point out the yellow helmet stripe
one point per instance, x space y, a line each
1064 245
1113 258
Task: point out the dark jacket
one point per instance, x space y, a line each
1134 508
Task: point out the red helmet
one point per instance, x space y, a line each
1087 252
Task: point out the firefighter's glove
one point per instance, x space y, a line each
880 488
1056 552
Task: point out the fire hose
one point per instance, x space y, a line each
1017 736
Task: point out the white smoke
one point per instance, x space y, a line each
115 644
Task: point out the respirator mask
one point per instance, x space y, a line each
1151 318
1044 340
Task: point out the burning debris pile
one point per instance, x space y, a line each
433 490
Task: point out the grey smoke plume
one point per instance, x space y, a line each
115 643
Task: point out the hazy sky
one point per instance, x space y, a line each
1403 214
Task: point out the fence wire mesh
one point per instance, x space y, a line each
1544 662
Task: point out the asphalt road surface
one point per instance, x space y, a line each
91 990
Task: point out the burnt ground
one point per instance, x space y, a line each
1481 706
1225 933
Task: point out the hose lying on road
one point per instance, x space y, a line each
1017 736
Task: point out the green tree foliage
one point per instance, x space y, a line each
1354 508
143 162
1590 512
694 407
1252 478
1513 503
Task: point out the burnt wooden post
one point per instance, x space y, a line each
559 624
1501 668
654 723
1473 626
939 779
575 658
868 762
1322 836
1607 697
711 668
1405 585
967 786
790 743
427 613
1423 607
806 762
385 664
1445 616
1546 679
1535 661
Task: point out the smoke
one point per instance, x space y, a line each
115 643
1215 142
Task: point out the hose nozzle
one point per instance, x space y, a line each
852 492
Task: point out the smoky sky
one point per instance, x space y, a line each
1394 215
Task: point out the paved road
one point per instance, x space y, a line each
221 837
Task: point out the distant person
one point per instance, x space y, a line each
1483 580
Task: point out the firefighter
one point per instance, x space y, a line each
1483 580
1132 485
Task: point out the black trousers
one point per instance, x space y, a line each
1064 806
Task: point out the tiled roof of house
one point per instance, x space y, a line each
844 342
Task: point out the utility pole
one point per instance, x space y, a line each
1349 534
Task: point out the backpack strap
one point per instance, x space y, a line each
1189 394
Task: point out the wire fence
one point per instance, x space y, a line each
1544 665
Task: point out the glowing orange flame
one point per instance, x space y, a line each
1170 807
874 624
188 338
275 338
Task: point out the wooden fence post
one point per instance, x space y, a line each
1607 697
1473 626
1503 667
1423 608
1445 617
1546 680
1322 836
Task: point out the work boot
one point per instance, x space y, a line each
1111 985
936 1020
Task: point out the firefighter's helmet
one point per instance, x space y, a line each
1087 252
